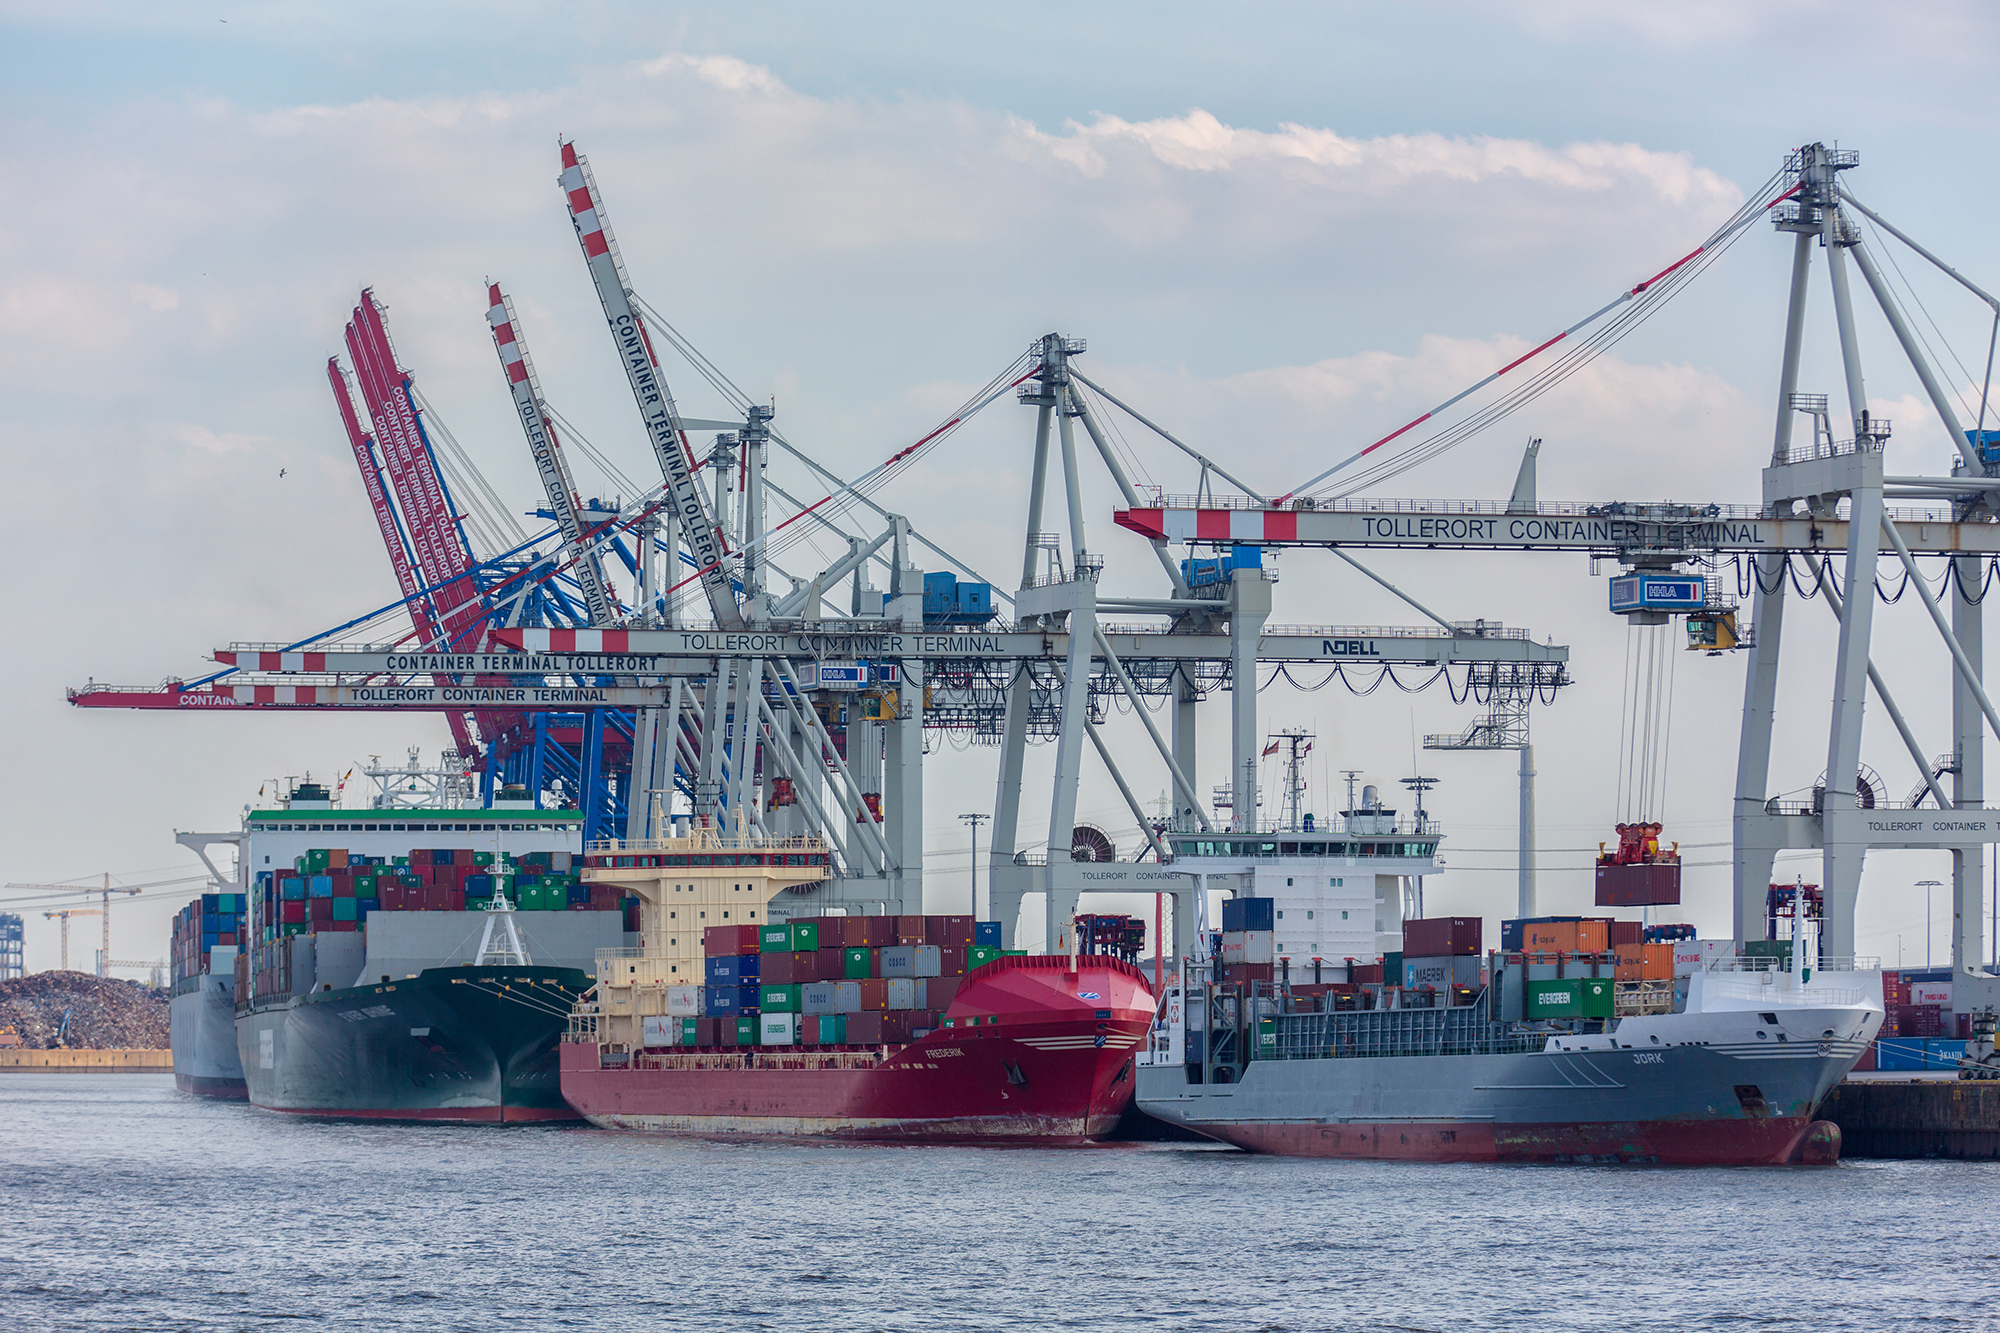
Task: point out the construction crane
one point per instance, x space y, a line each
649 387
104 910
64 914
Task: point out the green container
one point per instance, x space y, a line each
833 1029
746 1030
364 886
534 898
1267 1039
774 939
805 937
482 858
1013 953
1392 966
316 860
778 999
857 964
1568 997
689 1033
400 860
979 955
343 909
299 864
292 928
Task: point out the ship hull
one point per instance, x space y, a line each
1727 1102
1036 1054
474 1045
201 1027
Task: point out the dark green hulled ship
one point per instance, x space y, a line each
470 1044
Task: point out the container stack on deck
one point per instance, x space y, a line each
1442 964
825 981
330 891
214 920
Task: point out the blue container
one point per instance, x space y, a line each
940 594
363 906
291 890
734 970
207 940
1249 914
579 895
986 934
1900 1055
208 902
321 886
1192 1046
975 601
479 884
732 1001
1942 1053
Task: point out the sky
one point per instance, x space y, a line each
1283 229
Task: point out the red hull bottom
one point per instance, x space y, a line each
1773 1141
450 1115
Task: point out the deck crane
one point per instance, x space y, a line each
642 369
550 465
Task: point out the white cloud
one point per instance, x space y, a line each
159 300
725 72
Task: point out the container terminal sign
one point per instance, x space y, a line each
1658 592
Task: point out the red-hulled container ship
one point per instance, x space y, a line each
1032 1049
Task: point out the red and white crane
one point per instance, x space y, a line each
649 387
546 449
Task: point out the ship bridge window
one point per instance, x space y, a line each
1267 849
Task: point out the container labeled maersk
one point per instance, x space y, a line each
1441 973
1568 997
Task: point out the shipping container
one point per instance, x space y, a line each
684 1001
1569 997
909 929
847 997
874 993
819 998
980 955
864 1028
898 961
928 961
1442 972
937 993
832 1029
1250 914
1644 962
719 940
857 962
778 999
902 992
778 1029
733 969
804 936
986 935
1441 936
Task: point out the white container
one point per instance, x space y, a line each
1259 946
685 1001
1931 992
1690 957
902 992
659 1031
778 1029
929 960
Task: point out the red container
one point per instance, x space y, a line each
343 887
454 900
1627 932
1964 1023
778 969
951 960
1242 974
896 1025
1867 1060
707 1031
865 1029
909 930
879 932
1441 936
806 968
853 933
292 912
874 993
939 992
339 927
1920 1020
1365 974
832 963
809 1029
1656 884
727 941
1895 990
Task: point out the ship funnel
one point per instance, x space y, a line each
1368 798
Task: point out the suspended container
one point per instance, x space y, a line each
1638 873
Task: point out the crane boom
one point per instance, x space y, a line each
553 469
363 445
649 387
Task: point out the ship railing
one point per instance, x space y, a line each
1768 963
1459 1030
1732 988
703 840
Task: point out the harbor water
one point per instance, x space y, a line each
127 1205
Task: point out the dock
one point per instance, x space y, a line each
1916 1117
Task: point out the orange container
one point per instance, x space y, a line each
336 858
1645 962
1549 937
1592 936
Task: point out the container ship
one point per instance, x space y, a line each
406 963
726 1022
1581 1039
201 1016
